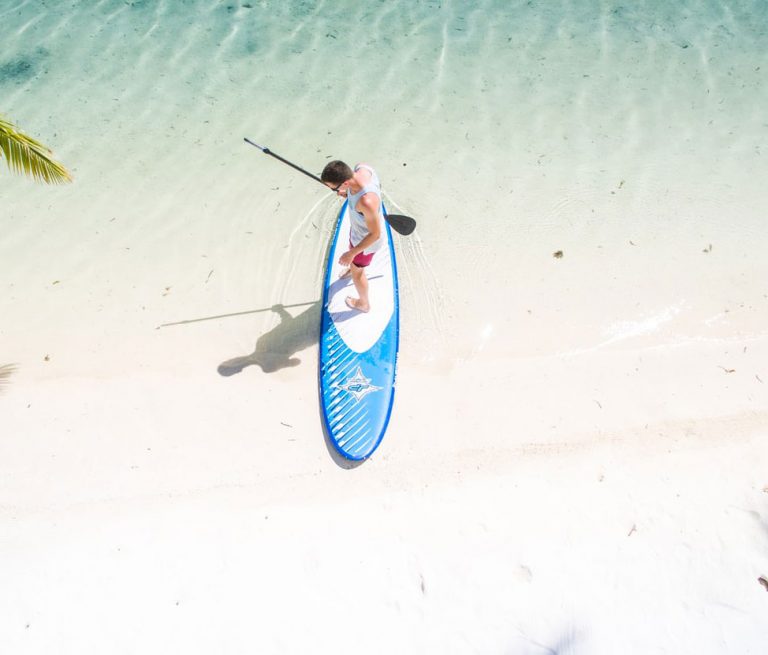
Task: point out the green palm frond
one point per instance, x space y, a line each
25 155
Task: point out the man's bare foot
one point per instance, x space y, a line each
356 303
345 273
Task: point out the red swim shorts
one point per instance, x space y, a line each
362 260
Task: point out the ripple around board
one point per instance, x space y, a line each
422 298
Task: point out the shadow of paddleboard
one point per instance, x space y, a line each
275 350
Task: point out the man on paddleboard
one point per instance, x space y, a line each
362 189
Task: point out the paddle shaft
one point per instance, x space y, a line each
267 151
402 224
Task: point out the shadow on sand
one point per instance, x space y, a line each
276 349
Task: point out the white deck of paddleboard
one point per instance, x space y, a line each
360 331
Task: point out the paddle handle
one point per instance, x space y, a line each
267 151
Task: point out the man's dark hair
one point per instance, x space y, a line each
336 172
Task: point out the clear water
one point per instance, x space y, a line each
631 136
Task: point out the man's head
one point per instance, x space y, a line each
335 176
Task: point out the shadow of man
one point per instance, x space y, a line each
276 349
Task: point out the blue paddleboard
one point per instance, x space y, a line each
358 352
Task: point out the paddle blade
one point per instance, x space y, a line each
402 224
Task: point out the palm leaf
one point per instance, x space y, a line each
25 155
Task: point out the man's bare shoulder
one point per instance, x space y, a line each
364 171
369 201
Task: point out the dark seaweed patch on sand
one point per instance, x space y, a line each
23 68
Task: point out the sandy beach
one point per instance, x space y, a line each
576 460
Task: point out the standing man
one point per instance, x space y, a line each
362 189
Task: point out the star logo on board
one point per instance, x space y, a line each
358 385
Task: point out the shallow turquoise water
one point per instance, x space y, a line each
510 129
491 76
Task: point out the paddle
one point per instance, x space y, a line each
399 223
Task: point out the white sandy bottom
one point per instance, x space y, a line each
550 532
478 567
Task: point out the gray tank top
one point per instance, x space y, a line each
358 228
